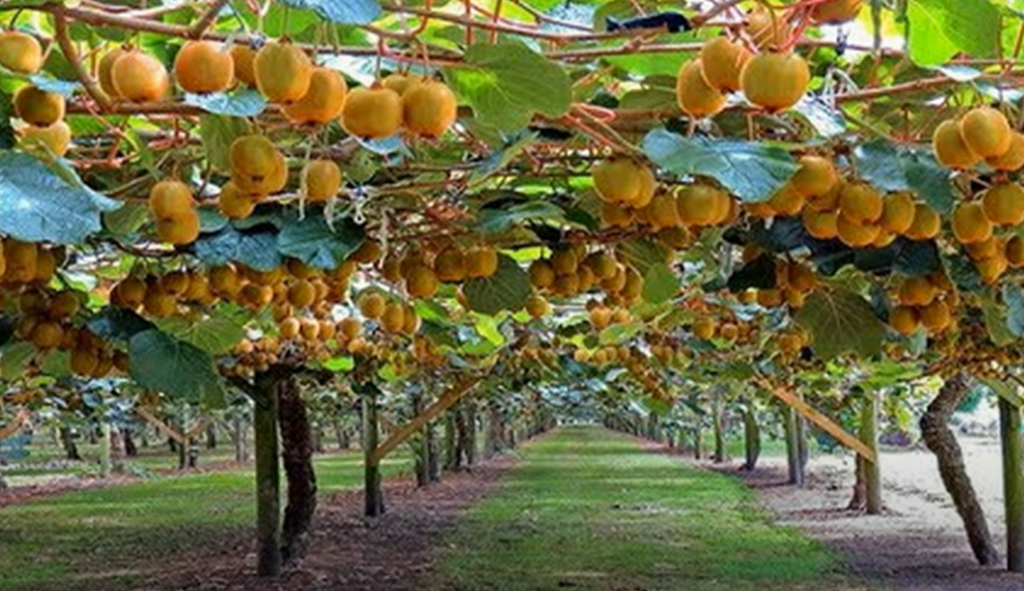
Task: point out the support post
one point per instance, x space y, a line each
751 437
268 477
373 492
105 462
1013 482
869 435
796 475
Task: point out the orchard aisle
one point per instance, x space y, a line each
590 509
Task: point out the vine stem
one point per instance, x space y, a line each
206 21
66 45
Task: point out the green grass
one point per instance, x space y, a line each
589 510
104 538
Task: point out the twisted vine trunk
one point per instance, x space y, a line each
751 439
297 455
942 442
268 478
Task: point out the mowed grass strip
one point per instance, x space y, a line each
588 509
111 538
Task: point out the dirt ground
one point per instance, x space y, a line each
348 551
919 543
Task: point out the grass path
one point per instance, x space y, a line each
98 539
588 509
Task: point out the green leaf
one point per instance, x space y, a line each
1013 299
660 284
996 322
117 324
939 29
1005 390
48 83
255 247
347 12
217 132
38 205
507 289
340 364
840 321
507 82
751 171
14 357
313 242
181 370
641 254
127 219
57 364
487 327
499 221
239 103
216 335
617 334
898 168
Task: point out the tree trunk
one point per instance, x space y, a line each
451 450
858 501
469 434
117 450
211 436
371 439
421 445
495 436
462 437
268 477
1013 483
751 438
105 449
872 470
241 439
796 472
341 434
942 442
719 431
70 447
297 456
130 449
698 439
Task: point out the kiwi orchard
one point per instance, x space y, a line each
799 205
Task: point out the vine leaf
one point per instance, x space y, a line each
751 171
181 370
897 168
241 103
507 82
346 12
313 242
939 29
507 289
839 321
660 284
217 132
255 247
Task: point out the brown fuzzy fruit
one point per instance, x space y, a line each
624 181
950 148
1013 159
372 113
428 108
898 212
139 77
234 203
421 282
182 230
399 82
104 70
917 291
856 235
986 132
820 225
283 72
904 320
169 200
537 306
1004 204
694 95
244 57
786 201
700 205
835 12
722 62
393 318
936 316
481 262
253 159
970 224
860 203
775 81
542 275
1015 252
301 293
38 107
767 28
324 100
926 224
816 177
20 52
321 179
203 67
450 265
55 138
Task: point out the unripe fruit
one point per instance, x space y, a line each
170 200
283 72
949 146
722 62
1004 204
234 203
56 138
898 212
970 224
860 203
926 224
428 108
816 177
244 57
204 66
182 230
694 95
321 180
322 102
1013 159
624 181
986 132
139 77
904 320
775 81
835 12
38 107
372 113
20 52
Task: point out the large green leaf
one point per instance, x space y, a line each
255 247
749 170
13 359
216 335
239 103
897 168
1013 299
840 320
939 29
38 205
181 370
313 242
498 221
507 289
660 284
217 132
348 12
996 322
507 82
641 254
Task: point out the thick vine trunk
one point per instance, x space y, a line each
373 491
872 470
1013 483
468 433
211 436
268 477
105 431
858 501
792 422
297 456
240 437
117 450
130 449
719 431
752 439
70 447
698 440
452 459
942 442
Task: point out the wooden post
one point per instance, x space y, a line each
869 435
373 492
796 475
268 477
105 449
751 437
1013 482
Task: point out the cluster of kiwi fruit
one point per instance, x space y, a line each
422 106
927 301
794 281
394 315
28 263
570 271
602 316
422 270
981 134
42 111
791 341
987 228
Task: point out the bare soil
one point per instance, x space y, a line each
348 551
918 544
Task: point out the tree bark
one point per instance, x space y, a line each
698 439
130 449
105 429
796 472
1013 483
751 438
241 437
297 456
858 501
268 477
495 436
70 447
374 494
470 433
211 436
451 450
117 450
872 470
719 431
942 442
